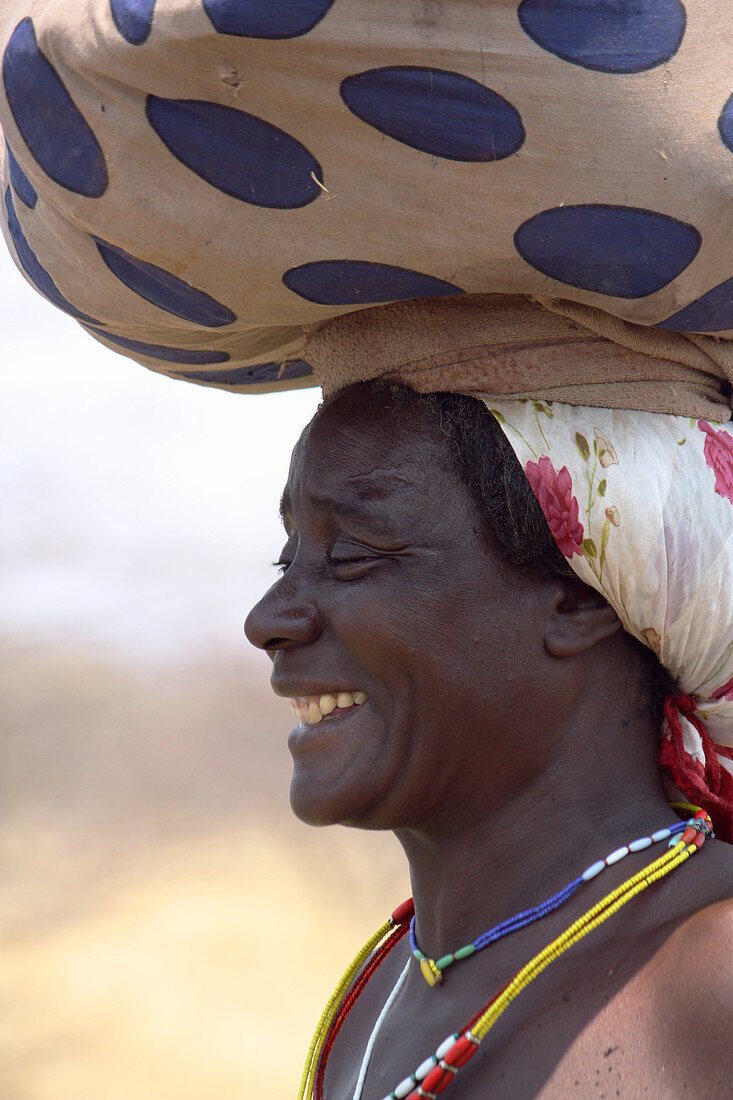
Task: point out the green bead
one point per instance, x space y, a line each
464 952
445 961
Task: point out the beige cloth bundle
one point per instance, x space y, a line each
205 185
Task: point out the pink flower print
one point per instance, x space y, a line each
554 491
718 451
606 452
613 516
724 692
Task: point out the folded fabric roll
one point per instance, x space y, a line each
199 182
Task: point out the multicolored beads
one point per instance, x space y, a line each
436 1071
435 1074
432 969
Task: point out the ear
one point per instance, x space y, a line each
579 618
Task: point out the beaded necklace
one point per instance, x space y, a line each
435 1074
432 969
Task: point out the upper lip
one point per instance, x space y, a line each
292 689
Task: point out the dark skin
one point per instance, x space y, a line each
506 741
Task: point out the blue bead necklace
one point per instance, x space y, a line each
432 969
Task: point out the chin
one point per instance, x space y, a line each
331 804
310 809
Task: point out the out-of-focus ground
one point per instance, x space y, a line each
168 930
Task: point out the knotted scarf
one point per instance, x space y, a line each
641 506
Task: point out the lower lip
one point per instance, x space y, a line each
304 735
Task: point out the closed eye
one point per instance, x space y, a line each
350 569
350 559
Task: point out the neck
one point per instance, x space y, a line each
515 855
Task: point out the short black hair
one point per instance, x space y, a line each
485 462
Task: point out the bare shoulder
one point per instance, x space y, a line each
708 939
695 969
694 964
684 1000
666 1033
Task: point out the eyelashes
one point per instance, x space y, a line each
347 559
344 568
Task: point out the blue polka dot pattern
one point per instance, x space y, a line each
725 124
22 186
615 250
164 290
713 312
53 128
194 356
359 282
266 18
257 374
441 113
133 19
267 166
610 36
236 152
35 271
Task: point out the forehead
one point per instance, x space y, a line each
362 451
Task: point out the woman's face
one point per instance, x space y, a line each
391 597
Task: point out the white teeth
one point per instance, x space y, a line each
309 710
314 714
327 703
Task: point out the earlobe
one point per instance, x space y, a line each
579 618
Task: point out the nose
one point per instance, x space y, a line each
281 620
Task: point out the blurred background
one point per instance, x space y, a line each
167 929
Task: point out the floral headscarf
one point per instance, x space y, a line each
641 506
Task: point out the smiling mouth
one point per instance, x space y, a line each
309 710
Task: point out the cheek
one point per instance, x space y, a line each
373 618
437 628
481 660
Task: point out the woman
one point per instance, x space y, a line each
532 202
508 734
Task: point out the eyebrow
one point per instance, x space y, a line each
369 491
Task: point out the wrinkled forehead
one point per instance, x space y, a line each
358 449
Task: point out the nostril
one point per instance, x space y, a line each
300 625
